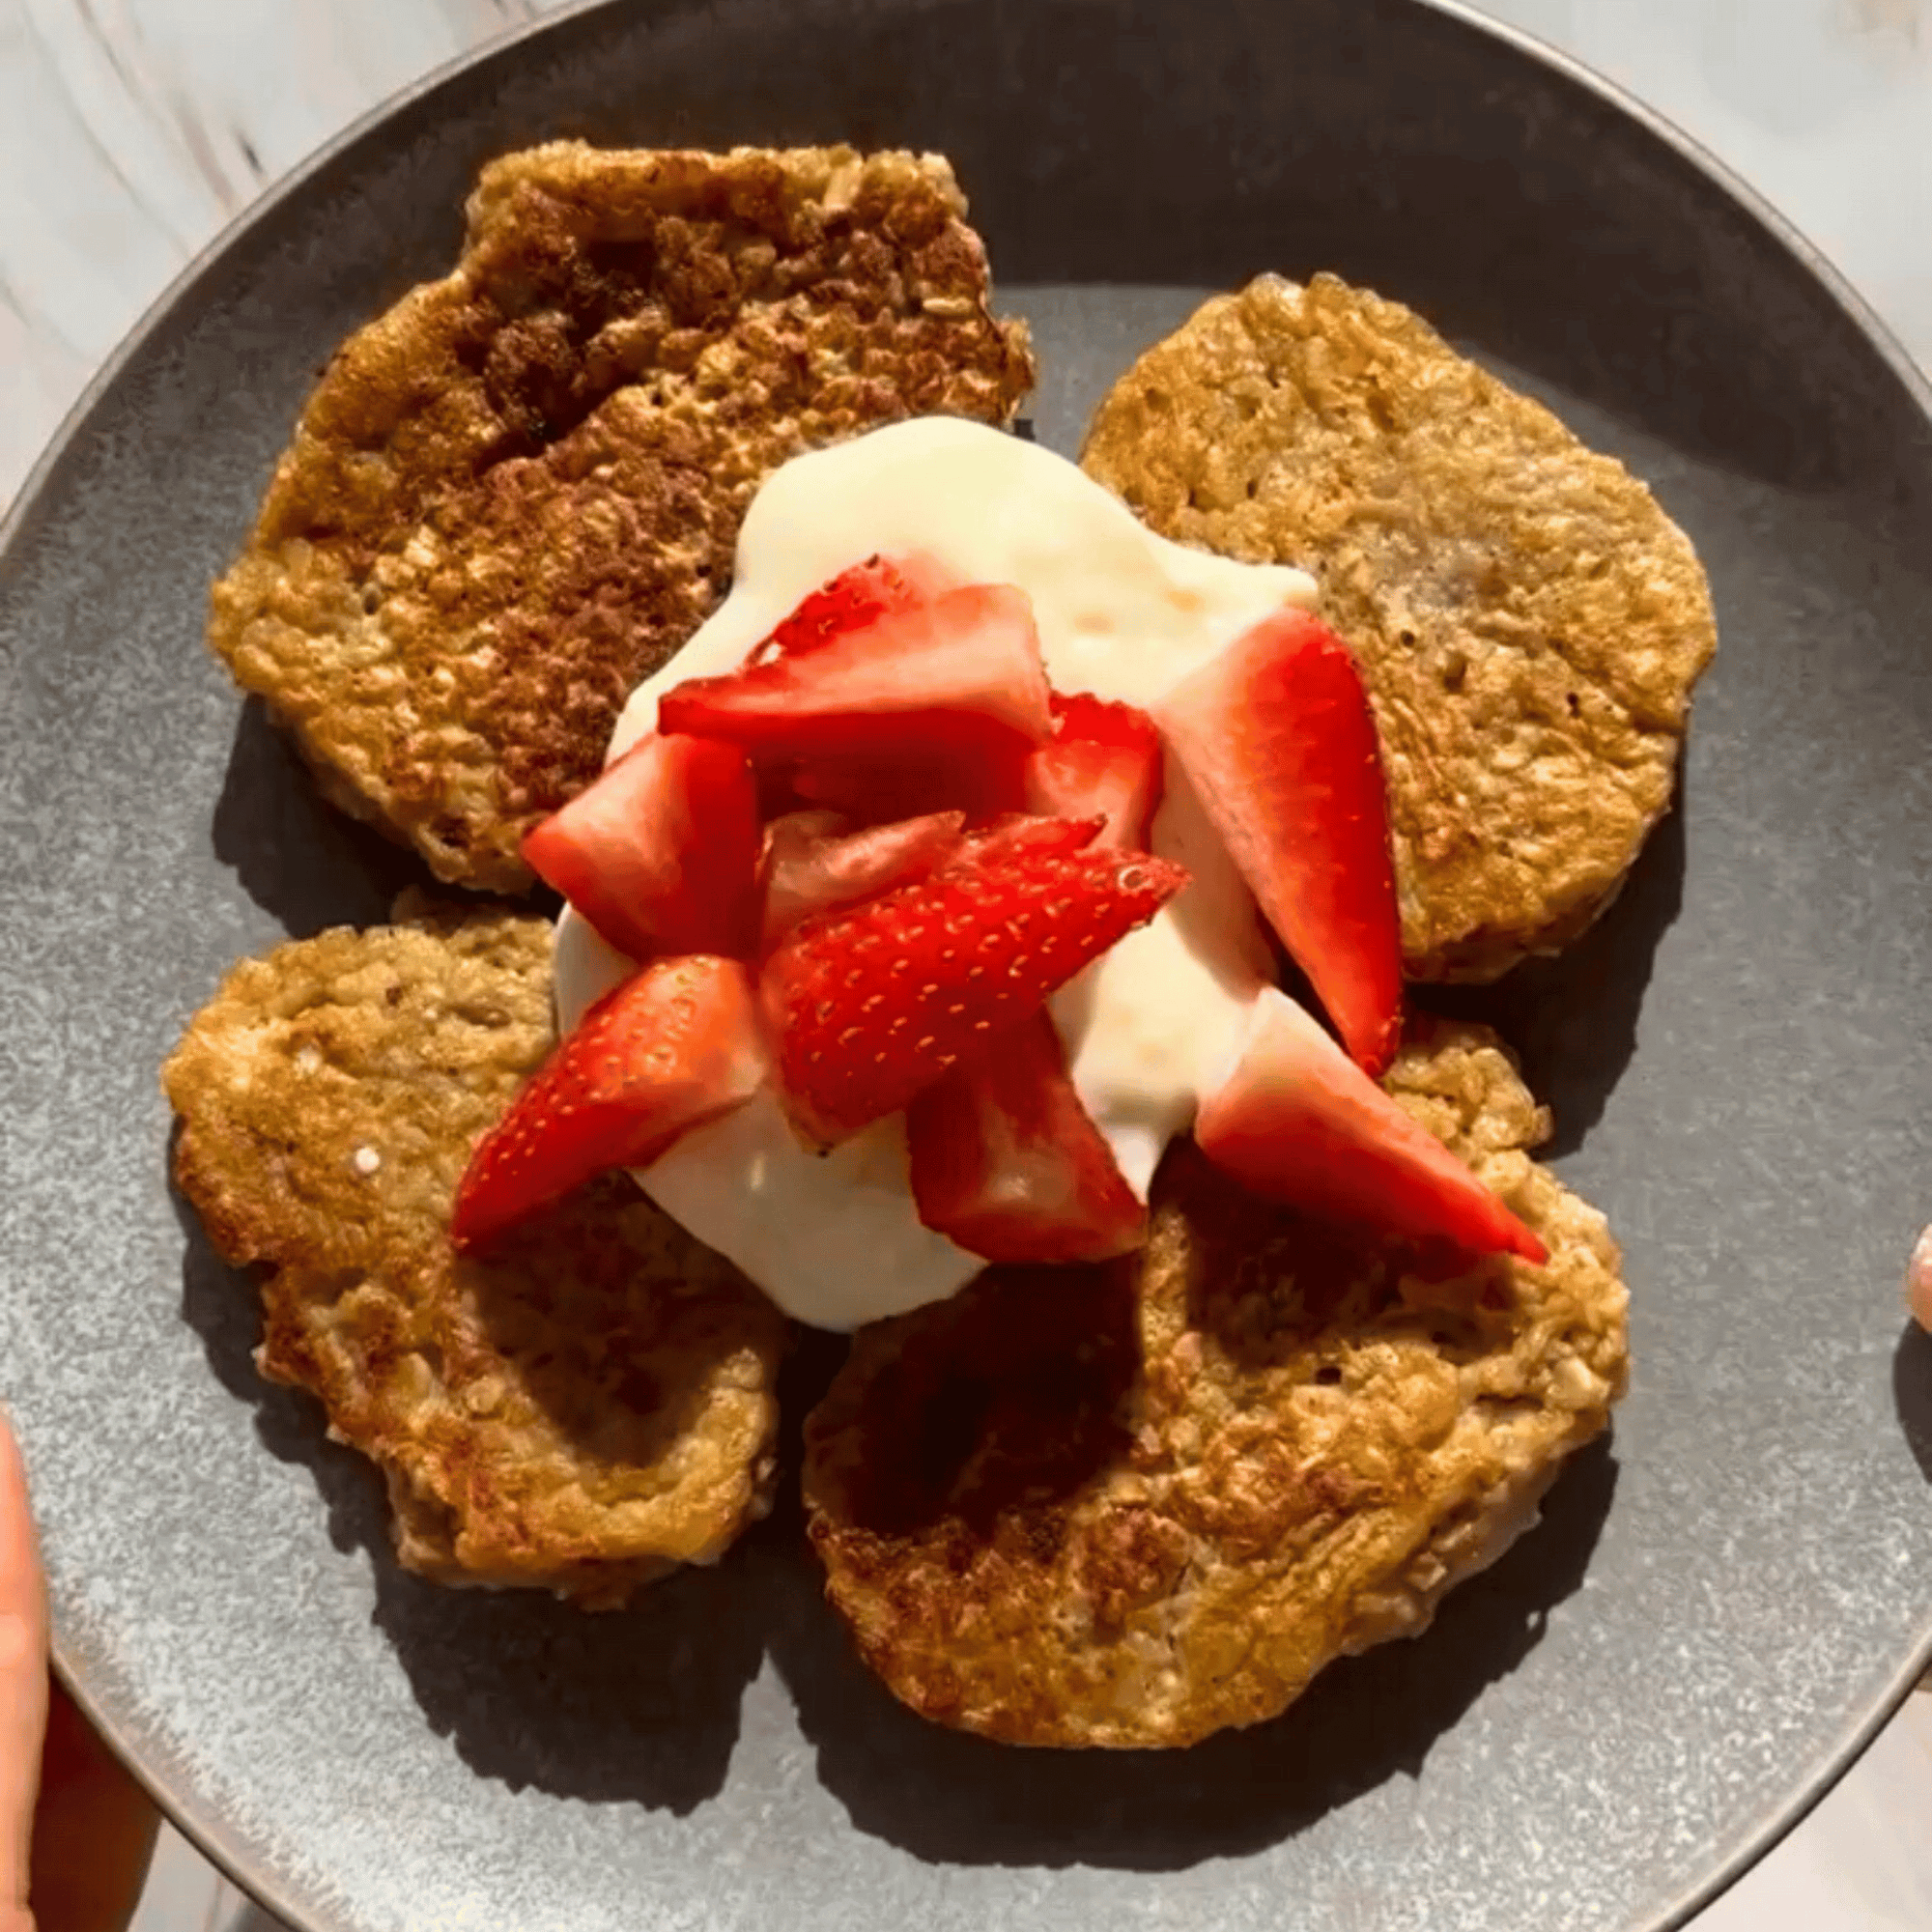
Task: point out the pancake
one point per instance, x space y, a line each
515 494
592 1404
1130 1505
1529 622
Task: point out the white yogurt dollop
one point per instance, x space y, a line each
835 1240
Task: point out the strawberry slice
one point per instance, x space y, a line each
1007 1162
1299 1121
1278 736
957 678
981 779
661 854
855 599
675 1045
814 862
1102 759
872 1004
1021 831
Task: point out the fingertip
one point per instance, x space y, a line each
23 1680
12 1470
1918 1281
20 1594
12 1466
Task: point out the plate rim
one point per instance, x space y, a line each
211 1836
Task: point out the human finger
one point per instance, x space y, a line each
23 1675
1918 1281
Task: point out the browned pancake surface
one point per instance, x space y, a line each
1530 623
517 494
1133 1505
591 1405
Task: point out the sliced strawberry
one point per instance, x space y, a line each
814 862
661 855
980 780
1299 1121
855 599
956 679
1007 1162
1278 736
872 1004
1102 759
1020 832
675 1045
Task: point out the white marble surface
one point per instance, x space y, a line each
131 129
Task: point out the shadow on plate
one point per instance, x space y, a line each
637 1706
256 1919
1911 1390
946 1797
302 862
1573 1019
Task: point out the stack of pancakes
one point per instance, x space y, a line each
1115 1505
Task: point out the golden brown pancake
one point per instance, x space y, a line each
588 1407
1529 622
1131 1505
517 494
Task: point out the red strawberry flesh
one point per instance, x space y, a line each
1017 831
677 1044
1277 734
660 853
1299 1121
1104 760
979 778
855 599
872 1004
1007 1163
957 678
814 863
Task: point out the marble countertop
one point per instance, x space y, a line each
131 130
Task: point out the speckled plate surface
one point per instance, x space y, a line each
1719 1608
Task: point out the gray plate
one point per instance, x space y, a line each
1718 1610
